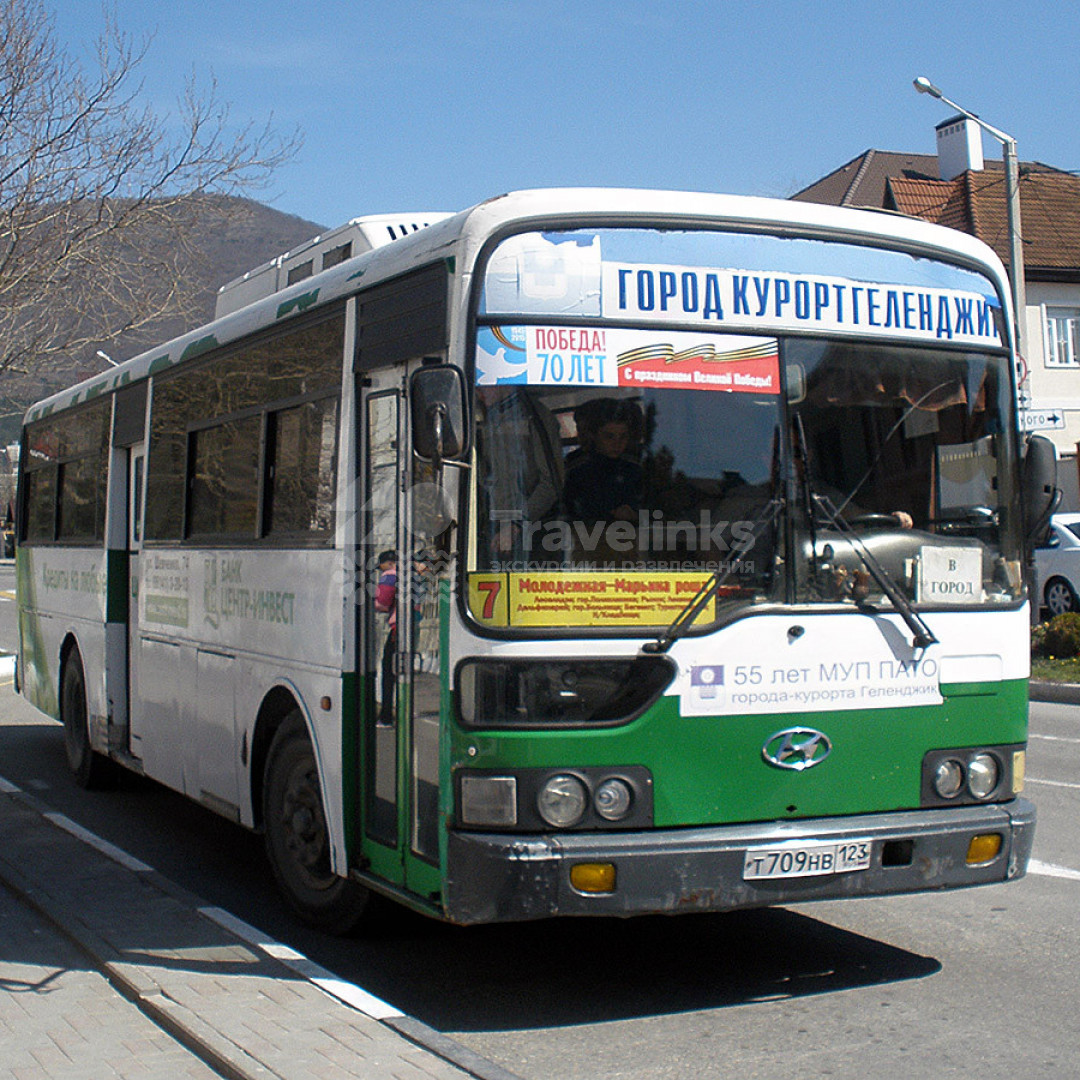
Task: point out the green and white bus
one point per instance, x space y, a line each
588 552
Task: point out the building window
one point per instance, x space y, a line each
1062 337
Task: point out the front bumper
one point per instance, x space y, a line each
493 877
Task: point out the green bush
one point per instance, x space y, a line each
1038 640
1062 639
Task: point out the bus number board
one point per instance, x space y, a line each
806 860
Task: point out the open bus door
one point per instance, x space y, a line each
400 619
380 464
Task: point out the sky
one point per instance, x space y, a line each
420 105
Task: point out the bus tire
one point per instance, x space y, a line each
297 839
90 769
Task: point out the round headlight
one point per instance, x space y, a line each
613 799
949 778
562 801
982 775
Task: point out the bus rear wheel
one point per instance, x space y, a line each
89 768
297 839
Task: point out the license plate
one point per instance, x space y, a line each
806 860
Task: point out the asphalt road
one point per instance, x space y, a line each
975 983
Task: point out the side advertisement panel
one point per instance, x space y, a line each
61 591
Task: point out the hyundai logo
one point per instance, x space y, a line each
797 748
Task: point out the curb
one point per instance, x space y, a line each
1061 693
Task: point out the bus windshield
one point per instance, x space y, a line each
620 466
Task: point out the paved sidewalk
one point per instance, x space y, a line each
60 1017
108 970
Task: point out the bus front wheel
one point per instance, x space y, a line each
89 768
297 839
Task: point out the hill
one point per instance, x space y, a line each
231 237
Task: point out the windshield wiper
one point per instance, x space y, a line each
884 442
685 619
923 635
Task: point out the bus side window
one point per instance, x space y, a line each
303 475
65 476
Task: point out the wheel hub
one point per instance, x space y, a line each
303 822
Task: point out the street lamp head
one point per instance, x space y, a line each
925 86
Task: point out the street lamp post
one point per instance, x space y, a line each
1012 203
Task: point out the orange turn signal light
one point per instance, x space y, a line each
591 877
983 848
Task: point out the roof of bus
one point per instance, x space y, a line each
462 235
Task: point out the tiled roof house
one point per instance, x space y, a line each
957 188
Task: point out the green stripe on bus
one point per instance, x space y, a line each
298 303
446 786
197 348
875 767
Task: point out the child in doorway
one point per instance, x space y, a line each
386 602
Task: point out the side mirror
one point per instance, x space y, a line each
438 413
1039 493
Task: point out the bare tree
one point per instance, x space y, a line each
98 192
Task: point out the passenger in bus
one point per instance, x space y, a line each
386 603
521 440
603 480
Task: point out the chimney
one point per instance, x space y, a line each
959 147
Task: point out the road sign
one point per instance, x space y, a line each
1042 420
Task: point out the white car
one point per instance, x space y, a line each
1057 566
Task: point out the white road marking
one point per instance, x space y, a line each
1051 783
1050 870
107 849
351 994
1055 738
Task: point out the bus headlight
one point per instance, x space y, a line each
972 775
613 799
983 775
562 801
949 778
537 800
